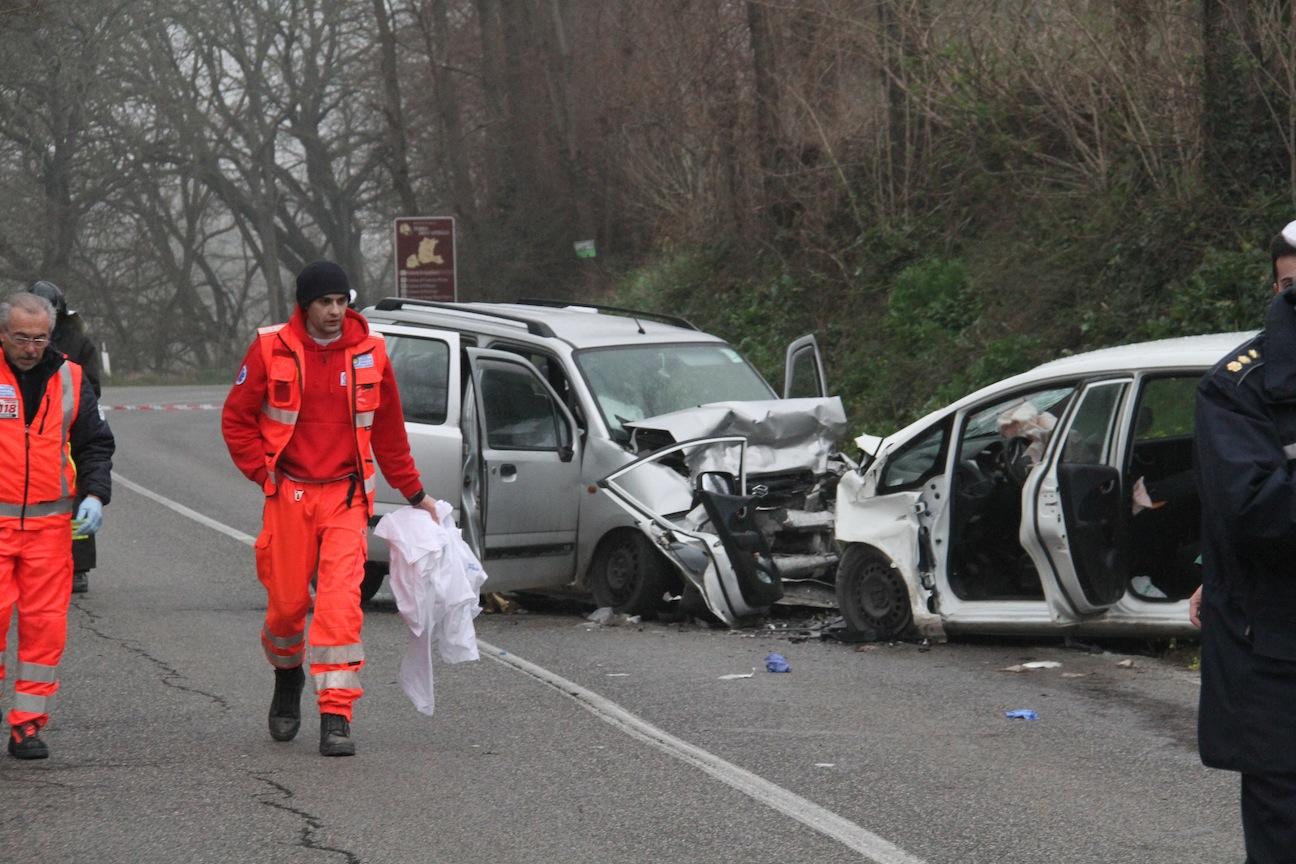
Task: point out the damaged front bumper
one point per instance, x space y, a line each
723 535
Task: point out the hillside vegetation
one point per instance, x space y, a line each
946 191
1022 181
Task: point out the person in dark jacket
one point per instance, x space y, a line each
57 455
1246 606
70 337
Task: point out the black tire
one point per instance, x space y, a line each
374 573
872 596
628 574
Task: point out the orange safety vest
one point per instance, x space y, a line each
38 484
284 357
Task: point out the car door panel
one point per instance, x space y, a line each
1091 498
521 475
426 364
803 369
1074 510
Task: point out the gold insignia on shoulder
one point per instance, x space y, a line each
1255 355
1234 366
1244 359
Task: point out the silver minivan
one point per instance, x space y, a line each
517 413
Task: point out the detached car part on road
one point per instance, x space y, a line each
517 412
1059 500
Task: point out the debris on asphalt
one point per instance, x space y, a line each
733 676
1034 664
825 765
618 674
1075 674
1021 714
605 617
1126 663
776 663
497 603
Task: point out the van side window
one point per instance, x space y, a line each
519 412
917 461
422 370
551 369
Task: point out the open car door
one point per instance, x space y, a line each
426 365
1075 514
521 473
803 370
691 500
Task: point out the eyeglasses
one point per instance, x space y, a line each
22 341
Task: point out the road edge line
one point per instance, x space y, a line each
818 818
824 821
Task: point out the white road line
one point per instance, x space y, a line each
868 844
850 835
185 511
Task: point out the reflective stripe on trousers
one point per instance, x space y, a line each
308 528
35 568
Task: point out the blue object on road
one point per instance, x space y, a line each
776 663
1021 714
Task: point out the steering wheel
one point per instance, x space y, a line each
1013 461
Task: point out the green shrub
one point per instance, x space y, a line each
1228 291
931 299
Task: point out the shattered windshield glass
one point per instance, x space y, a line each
637 381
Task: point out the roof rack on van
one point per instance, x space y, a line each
615 310
393 304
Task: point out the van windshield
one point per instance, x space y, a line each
637 381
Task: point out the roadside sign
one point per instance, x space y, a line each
425 258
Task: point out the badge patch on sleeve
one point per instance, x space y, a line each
242 376
8 409
342 378
364 361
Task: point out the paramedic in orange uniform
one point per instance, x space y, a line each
312 406
54 448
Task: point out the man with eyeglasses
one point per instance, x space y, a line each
55 448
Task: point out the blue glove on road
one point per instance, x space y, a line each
89 517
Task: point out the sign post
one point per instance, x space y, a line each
425 258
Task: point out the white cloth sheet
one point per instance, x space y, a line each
436 579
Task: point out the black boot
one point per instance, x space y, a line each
285 708
25 742
335 736
80 581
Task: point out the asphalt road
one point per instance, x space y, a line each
569 742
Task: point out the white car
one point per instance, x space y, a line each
1058 500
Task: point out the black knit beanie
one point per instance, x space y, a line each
318 279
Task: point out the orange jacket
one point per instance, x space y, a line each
261 411
38 484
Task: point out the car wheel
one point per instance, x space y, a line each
628 574
871 594
374 573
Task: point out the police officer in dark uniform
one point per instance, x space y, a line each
71 339
1246 607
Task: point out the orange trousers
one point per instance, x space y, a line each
35 576
308 528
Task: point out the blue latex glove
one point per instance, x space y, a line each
89 517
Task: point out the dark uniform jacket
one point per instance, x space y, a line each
1246 459
70 337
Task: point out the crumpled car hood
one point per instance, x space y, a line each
782 434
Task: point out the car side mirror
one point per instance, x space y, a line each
566 452
869 446
721 482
